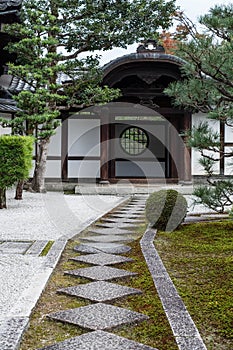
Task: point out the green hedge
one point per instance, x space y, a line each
15 160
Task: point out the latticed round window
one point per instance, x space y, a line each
134 140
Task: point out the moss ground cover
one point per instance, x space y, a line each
199 259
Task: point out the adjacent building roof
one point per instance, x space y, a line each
8 106
6 4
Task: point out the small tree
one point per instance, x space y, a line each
207 86
52 36
15 162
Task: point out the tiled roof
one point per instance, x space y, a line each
4 4
143 56
8 106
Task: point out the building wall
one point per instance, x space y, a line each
84 142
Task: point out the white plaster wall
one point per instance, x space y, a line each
55 143
4 131
84 137
53 169
84 168
228 133
196 167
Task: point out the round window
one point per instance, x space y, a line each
134 140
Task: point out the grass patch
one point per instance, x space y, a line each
199 260
47 248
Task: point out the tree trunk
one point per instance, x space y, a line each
2 198
19 190
38 182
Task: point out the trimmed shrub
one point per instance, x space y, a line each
15 162
166 209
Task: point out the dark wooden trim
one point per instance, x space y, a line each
141 159
222 146
104 151
64 150
187 173
54 158
82 158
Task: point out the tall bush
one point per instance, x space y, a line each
166 209
15 162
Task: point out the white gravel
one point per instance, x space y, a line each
50 216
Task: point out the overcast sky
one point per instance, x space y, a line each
192 8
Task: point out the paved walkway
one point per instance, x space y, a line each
26 228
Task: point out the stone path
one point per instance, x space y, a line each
104 246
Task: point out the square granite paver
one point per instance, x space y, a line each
112 248
100 291
102 259
100 273
15 247
105 239
98 340
98 316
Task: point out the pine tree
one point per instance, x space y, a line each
49 41
207 86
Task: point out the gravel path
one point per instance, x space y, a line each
51 216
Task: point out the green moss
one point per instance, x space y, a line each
47 248
199 259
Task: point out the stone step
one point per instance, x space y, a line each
100 273
98 316
100 291
98 340
101 259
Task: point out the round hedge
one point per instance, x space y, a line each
166 209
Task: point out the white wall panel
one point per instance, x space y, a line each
85 168
55 143
228 133
228 162
5 131
53 169
84 137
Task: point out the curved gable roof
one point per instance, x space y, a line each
142 57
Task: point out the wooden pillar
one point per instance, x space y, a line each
104 144
187 172
222 148
64 149
174 150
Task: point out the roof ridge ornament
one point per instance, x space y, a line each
150 45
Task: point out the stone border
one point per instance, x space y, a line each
185 331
